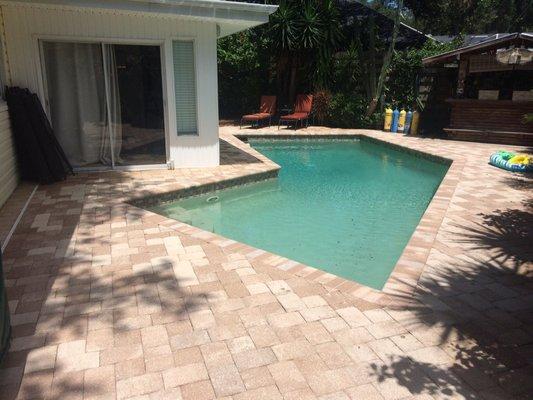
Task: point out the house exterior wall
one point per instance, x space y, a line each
8 162
24 25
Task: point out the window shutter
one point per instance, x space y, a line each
185 87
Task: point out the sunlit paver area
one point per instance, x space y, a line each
110 301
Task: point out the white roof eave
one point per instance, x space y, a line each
242 14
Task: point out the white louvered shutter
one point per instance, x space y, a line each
185 87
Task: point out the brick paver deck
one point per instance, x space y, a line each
110 301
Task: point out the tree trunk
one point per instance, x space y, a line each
281 76
371 84
386 62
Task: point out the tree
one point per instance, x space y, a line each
513 16
386 62
243 65
451 17
402 84
388 8
304 35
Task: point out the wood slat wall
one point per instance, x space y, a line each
8 162
522 139
504 116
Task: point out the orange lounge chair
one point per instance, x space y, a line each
267 109
302 111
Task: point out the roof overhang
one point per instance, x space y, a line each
231 16
516 39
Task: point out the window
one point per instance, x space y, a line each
185 87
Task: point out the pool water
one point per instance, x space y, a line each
347 207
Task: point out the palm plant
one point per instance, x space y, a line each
304 35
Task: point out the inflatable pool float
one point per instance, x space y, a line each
512 162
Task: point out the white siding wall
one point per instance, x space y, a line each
8 164
24 25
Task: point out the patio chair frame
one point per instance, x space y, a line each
288 122
257 120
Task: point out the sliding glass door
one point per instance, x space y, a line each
140 87
106 103
77 100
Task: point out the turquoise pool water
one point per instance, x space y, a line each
347 207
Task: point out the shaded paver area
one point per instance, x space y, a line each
110 301
12 209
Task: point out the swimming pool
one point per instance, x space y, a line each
347 207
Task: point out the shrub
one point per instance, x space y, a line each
348 111
402 87
242 72
321 104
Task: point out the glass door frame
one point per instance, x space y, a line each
42 78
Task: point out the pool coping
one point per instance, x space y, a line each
404 276
197 190
395 146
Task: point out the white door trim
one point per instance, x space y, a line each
43 92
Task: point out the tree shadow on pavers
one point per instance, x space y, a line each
61 278
230 154
506 234
519 181
421 378
469 319
474 364
155 292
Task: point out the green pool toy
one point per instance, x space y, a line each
512 162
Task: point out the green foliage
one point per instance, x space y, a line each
304 35
347 110
243 72
348 70
386 7
299 42
309 28
402 87
347 107
451 17
305 25
298 52
282 28
321 104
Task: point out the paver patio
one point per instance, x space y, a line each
110 301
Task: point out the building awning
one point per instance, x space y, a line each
231 16
497 42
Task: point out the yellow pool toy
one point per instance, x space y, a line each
512 162
523 159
